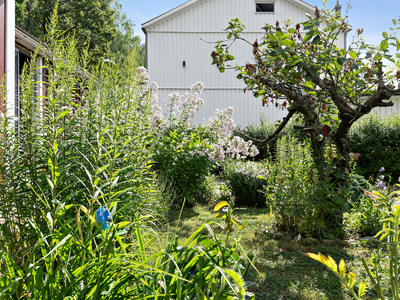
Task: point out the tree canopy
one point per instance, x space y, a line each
97 25
309 74
301 69
125 39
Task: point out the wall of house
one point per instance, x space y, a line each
188 37
387 111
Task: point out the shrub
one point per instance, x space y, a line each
264 129
290 183
185 154
242 179
364 217
377 139
384 263
357 187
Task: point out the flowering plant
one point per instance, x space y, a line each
184 152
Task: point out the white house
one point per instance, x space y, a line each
178 55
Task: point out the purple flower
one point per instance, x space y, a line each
382 177
382 169
380 184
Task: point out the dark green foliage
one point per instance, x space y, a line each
99 26
263 129
20 6
125 39
377 139
358 184
247 189
186 172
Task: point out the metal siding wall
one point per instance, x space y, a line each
387 111
178 39
247 108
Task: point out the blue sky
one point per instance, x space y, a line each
372 15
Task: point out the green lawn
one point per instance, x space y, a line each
286 273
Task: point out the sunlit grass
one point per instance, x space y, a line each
286 273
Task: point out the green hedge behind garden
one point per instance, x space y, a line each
377 139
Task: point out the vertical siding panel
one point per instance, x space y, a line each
167 51
211 18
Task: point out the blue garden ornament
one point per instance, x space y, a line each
102 216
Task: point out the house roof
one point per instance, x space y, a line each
190 3
28 42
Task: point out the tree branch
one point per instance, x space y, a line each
276 132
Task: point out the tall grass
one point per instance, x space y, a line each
88 143
84 143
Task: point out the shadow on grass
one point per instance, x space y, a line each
289 274
187 213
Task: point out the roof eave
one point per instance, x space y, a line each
170 13
189 3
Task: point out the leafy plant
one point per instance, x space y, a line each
242 178
184 153
376 138
389 247
289 185
347 279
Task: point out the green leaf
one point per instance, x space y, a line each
314 71
352 54
361 289
385 35
220 215
397 44
308 84
352 279
316 40
308 36
383 45
287 43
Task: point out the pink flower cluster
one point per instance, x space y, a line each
181 113
219 128
183 109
